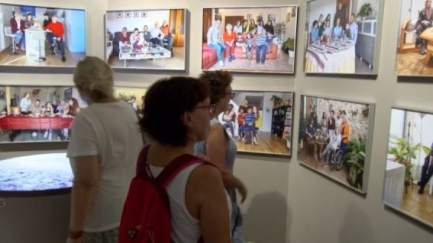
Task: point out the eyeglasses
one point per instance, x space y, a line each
211 108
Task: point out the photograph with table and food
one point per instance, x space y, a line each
146 39
37 114
41 36
341 36
415 42
334 139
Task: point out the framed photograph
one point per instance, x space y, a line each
136 14
37 113
128 14
155 40
335 138
343 37
37 49
272 17
262 46
134 96
414 39
408 185
120 14
260 122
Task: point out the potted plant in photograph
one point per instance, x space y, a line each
289 47
365 11
355 160
280 31
403 152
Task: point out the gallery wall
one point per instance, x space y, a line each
289 203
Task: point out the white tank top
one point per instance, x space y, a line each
184 227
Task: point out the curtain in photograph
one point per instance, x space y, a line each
421 132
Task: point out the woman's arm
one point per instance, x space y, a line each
207 201
216 151
86 181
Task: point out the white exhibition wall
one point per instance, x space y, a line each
289 203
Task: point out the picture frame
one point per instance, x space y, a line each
165 53
260 122
120 14
407 163
128 14
30 121
335 139
413 41
28 56
241 57
347 52
136 14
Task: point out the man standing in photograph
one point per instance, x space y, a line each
57 31
340 14
426 171
353 27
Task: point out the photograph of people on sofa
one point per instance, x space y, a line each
415 41
409 165
341 36
41 36
37 114
333 139
249 39
146 39
260 122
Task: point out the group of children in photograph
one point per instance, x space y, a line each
248 122
247 36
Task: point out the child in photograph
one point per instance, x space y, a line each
241 119
249 43
136 40
240 42
229 40
229 117
238 28
249 125
261 47
315 32
269 41
337 32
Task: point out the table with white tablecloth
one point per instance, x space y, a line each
336 57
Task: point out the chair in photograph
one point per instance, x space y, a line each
408 36
8 33
431 186
254 136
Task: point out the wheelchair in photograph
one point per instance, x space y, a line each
335 159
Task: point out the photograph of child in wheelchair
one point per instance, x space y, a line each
260 122
332 139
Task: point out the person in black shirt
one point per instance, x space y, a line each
426 171
47 20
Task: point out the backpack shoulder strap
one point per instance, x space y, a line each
176 166
141 162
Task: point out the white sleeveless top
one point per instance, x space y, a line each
184 227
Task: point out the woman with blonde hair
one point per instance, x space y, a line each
104 146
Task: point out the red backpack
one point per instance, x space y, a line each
146 214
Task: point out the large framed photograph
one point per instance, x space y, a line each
260 122
335 138
151 39
342 37
408 185
46 113
249 39
41 37
415 39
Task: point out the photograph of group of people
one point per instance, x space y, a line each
146 39
46 113
341 36
41 36
249 39
260 122
31 114
333 139
409 168
415 42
